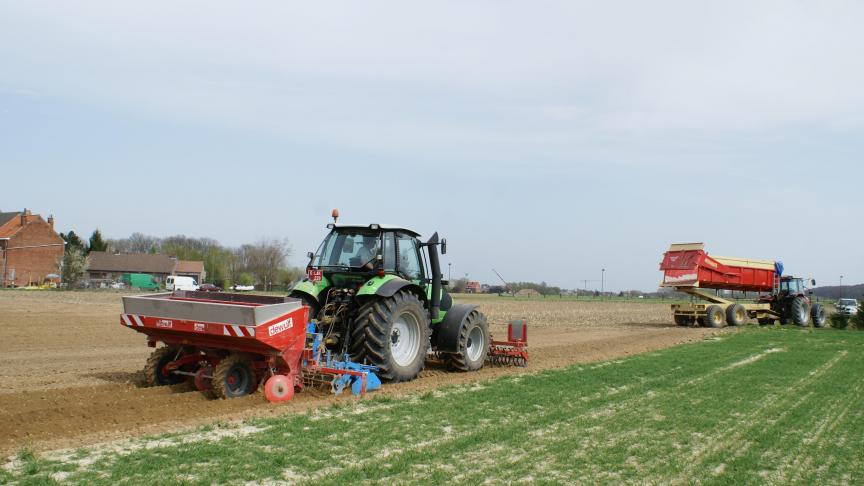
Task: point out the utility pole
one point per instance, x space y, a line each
841 286
448 271
602 281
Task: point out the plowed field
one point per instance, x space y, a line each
70 372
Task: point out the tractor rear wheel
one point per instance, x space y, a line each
714 316
473 343
154 373
817 313
736 315
392 333
233 377
800 311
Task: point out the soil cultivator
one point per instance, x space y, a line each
513 351
229 345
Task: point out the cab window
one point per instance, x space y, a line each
409 258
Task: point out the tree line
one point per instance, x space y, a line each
263 263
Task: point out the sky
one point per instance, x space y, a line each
547 140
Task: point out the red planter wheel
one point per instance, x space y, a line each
279 388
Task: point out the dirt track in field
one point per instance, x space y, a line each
71 373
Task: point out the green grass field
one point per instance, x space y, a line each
771 405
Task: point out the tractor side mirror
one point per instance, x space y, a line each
444 246
813 282
310 255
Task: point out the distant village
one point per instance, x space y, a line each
33 254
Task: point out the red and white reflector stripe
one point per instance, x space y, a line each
238 331
132 320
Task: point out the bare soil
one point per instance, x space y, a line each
71 374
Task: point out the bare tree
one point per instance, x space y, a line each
267 258
72 266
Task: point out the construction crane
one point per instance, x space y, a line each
506 285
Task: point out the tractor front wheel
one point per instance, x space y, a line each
817 313
392 333
473 343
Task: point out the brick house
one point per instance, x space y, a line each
106 267
30 249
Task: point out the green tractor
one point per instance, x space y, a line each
376 294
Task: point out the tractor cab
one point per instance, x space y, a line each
372 250
793 286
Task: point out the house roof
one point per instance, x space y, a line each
101 261
5 217
186 266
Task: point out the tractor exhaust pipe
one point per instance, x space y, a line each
435 304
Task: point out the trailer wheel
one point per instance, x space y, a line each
766 321
818 315
683 320
154 374
736 315
233 377
473 343
800 311
714 316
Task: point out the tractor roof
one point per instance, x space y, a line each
375 227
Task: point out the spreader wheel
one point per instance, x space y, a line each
279 388
233 377
684 320
154 371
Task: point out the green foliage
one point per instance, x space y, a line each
73 241
838 321
542 288
858 319
96 242
245 279
72 265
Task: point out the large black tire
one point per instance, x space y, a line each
818 314
683 320
392 333
153 374
800 312
234 377
473 343
736 315
714 316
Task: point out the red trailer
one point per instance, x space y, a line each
230 343
688 268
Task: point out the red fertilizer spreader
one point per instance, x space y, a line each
229 343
